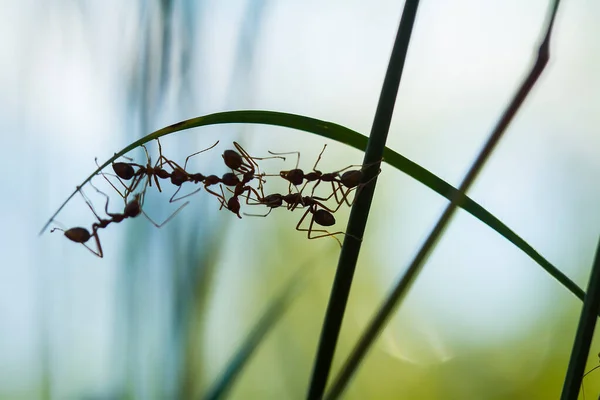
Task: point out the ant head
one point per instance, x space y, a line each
77 235
123 170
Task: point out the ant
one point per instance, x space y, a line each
321 214
178 176
126 171
132 209
243 162
349 179
240 161
82 235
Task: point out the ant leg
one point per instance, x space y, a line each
107 199
195 154
168 219
87 200
251 159
218 196
260 215
108 180
173 199
98 245
311 230
319 158
287 153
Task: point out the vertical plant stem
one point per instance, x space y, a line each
360 211
402 287
585 333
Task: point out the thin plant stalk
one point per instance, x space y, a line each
402 287
360 211
584 335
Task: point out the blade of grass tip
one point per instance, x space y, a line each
264 325
402 287
585 334
360 210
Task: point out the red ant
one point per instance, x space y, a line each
132 209
126 171
321 214
82 235
178 176
244 164
349 179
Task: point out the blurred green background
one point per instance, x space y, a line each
162 313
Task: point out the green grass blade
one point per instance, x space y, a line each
403 286
585 334
268 320
354 139
342 283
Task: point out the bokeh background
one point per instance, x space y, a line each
162 313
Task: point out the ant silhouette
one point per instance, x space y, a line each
350 180
243 163
82 235
132 209
320 213
179 175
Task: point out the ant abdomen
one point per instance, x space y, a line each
232 159
78 235
123 170
324 218
351 179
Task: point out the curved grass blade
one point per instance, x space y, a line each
267 321
354 139
403 286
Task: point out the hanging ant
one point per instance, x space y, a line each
82 235
321 214
132 209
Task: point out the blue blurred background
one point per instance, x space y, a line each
160 315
